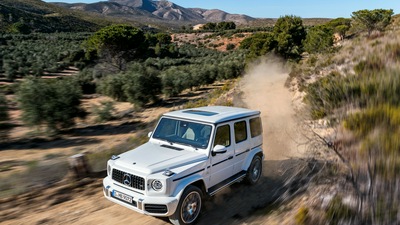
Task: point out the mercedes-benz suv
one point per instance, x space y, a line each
191 154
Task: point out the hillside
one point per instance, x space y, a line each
153 11
35 15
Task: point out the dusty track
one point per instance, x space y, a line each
263 89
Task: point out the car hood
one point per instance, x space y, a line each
151 158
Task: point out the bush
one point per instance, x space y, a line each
337 211
104 112
142 85
139 85
289 34
318 39
230 46
54 103
112 86
372 89
3 108
302 216
373 64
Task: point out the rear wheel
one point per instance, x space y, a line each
189 207
255 170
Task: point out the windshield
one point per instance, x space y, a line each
183 132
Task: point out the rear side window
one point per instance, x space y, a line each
240 131
223 136
255 127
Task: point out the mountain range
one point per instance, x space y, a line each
156 11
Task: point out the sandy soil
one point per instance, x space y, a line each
83 202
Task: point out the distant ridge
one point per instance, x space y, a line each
148 10
38 16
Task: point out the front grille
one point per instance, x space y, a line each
152 208
128 179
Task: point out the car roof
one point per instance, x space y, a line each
213 114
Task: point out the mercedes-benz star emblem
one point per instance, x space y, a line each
127 179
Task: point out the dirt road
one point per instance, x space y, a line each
263 89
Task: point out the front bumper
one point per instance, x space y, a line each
149 205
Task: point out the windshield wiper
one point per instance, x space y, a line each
190 145
172 147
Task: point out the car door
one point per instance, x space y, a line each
241 143
221 164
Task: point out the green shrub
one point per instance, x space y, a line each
333 91
3 109
373 64
393 50
302 216
230 46
54 103
383 145
318 39
337 211
104 112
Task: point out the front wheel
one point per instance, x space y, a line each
189 207
254 171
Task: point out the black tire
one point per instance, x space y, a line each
189 207
255 170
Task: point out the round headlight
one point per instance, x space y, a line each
156 185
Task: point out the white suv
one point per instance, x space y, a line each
192 153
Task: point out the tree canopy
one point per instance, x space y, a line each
340 26
370 20
289 34
286 39
3 108
53 103
318 39
117 44
219 26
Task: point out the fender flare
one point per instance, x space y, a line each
183 184
250 156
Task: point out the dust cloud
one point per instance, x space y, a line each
263 89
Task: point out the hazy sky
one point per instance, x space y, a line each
277 8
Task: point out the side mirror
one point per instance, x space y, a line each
219 149
149 134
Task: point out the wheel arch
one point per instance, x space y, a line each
194 180
252 154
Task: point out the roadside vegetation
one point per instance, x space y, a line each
353 88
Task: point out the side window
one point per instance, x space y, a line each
240 131
255 127
223 136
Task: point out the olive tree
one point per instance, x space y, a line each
53 103
142 85
139 85
4 116
3 108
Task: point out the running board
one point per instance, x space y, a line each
233 179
